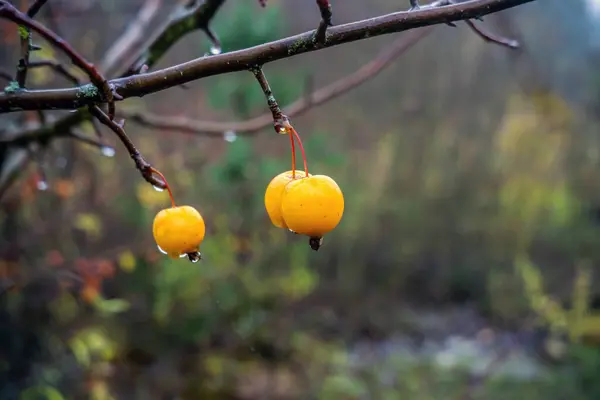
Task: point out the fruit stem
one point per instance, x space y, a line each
301 149
293 156
157 172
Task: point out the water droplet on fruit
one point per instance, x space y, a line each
107 151
42 185
195 256
158 189
161 250
214 50
182 255
230 136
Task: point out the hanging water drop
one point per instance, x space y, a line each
215 49
183 255
42 185
107 151
194 257
230 136
158 188
161 250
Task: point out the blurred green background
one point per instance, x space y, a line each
465 267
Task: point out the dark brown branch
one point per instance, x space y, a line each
140 85
326 14
9 12
183 21
279 120
176 29
26 44
142 165
314 99
35 8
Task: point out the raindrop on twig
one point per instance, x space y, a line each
107 151
230 136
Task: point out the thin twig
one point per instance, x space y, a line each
142 165
35 8
279 120
152 82
26 44
326 14
9 12
196 16
491 37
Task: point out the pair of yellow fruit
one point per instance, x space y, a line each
310 205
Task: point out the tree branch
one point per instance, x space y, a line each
325 10
142 165
183 21
491 37
26 44
9 12
327 93
143 84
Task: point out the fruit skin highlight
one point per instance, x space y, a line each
178 230
312 206
274 195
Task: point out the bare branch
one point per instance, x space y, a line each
279 120
326 14
142 165
492 38
35 8
314 99
9 12
140 85
26 44
183 21
175 29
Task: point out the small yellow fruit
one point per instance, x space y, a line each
312 206
274 193
179 231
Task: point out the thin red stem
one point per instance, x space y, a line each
301 149
157 172
293 156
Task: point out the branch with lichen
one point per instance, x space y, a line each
152 82
103 90
88 97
